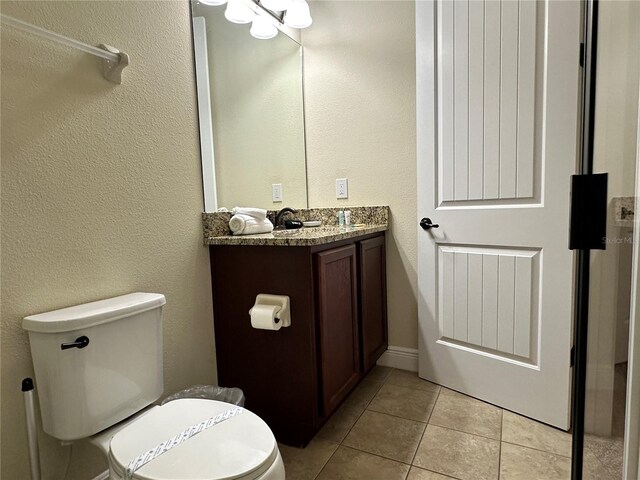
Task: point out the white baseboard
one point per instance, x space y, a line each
400 357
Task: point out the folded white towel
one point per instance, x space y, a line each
246 225
238 222
265 227
258 213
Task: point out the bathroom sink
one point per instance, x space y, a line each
287 233
333 229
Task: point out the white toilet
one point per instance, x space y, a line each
98 368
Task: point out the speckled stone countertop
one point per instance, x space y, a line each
370 220
623 211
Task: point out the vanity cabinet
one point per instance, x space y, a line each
296 377
338 333
373 300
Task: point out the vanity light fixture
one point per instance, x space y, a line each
215 3
263 14
298 15
238 12
262 28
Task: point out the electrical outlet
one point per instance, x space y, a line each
276 192
342 188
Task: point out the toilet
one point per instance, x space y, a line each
98 370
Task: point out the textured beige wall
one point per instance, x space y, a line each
360 120
101 192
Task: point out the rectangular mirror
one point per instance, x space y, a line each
250 102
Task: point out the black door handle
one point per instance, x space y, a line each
80 342
426 224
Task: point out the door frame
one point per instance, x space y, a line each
425 137
583 257
205 115
631 462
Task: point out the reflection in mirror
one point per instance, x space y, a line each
250 104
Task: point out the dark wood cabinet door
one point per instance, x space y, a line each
337 324
373 300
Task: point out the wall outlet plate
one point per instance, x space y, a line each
276 192
342 188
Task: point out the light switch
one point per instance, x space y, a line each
276 192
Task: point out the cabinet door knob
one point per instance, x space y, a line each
426 224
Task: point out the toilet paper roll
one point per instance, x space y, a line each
264 317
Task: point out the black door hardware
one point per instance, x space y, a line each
80 342
588 222
426 224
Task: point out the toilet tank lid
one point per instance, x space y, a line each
94 313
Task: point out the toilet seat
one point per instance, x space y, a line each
241 448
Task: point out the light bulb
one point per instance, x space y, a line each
276 5
262 28
215 3
298 15
238 12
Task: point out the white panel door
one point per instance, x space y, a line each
497 104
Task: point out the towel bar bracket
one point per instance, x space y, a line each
112 71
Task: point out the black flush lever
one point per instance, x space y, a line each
80 342
426 224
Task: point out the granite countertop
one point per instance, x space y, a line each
368 220
302 237
623 211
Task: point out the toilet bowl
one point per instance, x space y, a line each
98 368
242 447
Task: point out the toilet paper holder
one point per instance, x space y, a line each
282 301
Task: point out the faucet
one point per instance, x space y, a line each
281 214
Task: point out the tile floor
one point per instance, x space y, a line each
397 426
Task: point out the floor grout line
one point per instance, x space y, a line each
425 428
425 422
537 449
431 471
377 455
439 387
325 463
462 431
438 473
382 384
340 444
361 413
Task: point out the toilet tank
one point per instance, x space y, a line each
119 372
